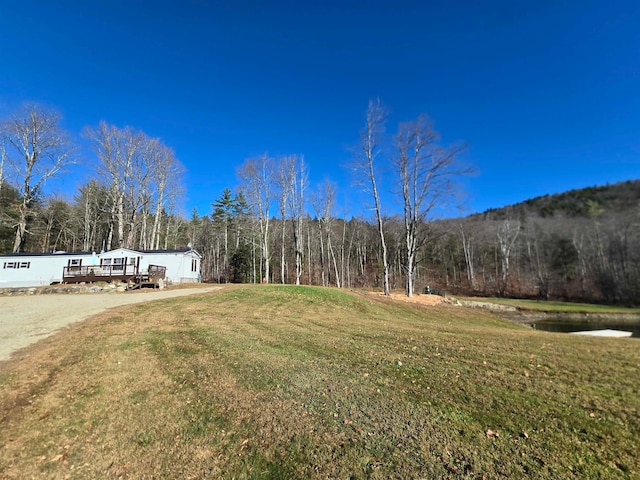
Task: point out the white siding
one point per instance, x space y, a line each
179 265
42 269
182 266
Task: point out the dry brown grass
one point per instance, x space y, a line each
285 382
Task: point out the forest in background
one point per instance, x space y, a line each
581 245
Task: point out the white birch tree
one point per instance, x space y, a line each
256 177
165 176
467 247
298 178
323 203
365 166
142 175
284 182
116 149
41 149
507 234
426 174
3 159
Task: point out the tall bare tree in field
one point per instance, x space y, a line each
365 166
256 177
41 149
299 180
426 174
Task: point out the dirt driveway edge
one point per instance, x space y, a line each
25 320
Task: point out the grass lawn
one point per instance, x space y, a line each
557 307
299 382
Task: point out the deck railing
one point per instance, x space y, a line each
95 273
100 271
157 272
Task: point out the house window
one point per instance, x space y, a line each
115 263
75 262
17 264
194 265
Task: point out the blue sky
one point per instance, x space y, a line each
546 94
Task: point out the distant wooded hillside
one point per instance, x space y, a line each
583 202
578 245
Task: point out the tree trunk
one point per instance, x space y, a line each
21 230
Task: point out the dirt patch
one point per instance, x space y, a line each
26 319
425 299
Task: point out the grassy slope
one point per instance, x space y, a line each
296 382
557 307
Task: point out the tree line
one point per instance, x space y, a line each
592 258
274 227
581 245
129 202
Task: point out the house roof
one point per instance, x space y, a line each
40 254
179 250
67 254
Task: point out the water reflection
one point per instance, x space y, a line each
566 326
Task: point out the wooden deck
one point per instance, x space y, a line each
152 278
105 273
111 273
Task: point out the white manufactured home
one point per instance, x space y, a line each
38 269
183 266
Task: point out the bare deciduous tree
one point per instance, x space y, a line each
165 175
42 149
507 235
284 181
426 173
365 166
116 150
256 176
323 203
467 247
298 178
93 205
3 158
55 224
141 174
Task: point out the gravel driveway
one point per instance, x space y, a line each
26 319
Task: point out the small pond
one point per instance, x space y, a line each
564 325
